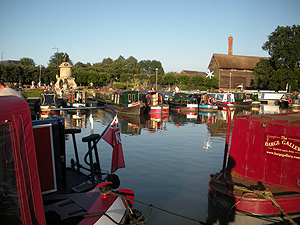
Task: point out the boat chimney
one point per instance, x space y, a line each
230 43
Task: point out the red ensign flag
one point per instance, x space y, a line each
113 137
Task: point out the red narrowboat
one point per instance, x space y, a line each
259 182
36 186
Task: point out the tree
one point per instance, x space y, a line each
183 79
26 62
169 78
212 82
53 59
283 66
12 73
198 79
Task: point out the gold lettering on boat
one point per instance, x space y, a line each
283 147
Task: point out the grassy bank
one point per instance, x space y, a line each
34 92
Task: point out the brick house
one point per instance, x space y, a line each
233 70
190 73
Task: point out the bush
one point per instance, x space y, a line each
119 86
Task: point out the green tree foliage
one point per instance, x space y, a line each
169 78
198 79
126 77
26 62
57 59
282 67
212 82
183 79
12 72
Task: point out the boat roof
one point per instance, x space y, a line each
16 119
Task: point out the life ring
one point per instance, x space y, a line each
290 101
211 100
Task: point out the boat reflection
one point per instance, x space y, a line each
133 125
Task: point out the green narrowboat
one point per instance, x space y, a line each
126 102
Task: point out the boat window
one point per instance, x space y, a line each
9 207
118 99
112 97
133 97
129 98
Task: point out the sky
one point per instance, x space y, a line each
181 34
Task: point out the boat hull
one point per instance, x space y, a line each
218 210
137 109
208 108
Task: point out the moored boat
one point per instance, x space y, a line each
36 186
227 98
154 103
260 183
128 102
205 103
49 101
182 102
79 98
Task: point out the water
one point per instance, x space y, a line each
168 161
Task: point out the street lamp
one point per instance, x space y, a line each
156 79
229 81
56 57
2 56
40 74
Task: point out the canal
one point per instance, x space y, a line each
168 161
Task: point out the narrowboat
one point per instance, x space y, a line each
259 182
154 103
36 186
124 102
79 98
242 100
182 102
205 104
48 101
227 98
290 100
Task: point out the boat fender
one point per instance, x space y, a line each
290 101
115 181
220 210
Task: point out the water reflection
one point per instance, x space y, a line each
168 158
133 125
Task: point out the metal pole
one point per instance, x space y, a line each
156 79
2 56
230 82
40 74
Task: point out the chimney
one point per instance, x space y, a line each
230 43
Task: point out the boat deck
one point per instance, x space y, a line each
241 186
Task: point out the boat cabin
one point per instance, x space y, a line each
126 98
36 186
261 180
77 98
181 98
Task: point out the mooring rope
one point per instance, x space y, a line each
156 208
266 194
